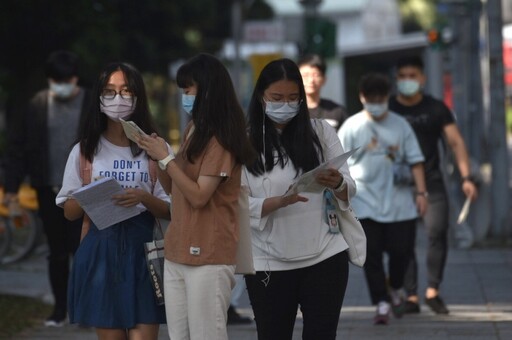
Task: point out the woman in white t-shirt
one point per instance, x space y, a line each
110 287
299 253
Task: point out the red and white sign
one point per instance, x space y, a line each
263 31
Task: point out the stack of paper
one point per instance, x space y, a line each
307 182
96 200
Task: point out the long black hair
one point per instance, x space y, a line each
95 122
298 141
216 111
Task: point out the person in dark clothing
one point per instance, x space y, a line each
39 140
312 69
431 121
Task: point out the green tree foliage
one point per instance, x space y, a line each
418 14
149 34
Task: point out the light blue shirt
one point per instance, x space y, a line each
371 166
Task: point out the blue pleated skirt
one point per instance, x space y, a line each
109 284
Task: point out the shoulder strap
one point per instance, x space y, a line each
152 173
86 176
319 129
85 170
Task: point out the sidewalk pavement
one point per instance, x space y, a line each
477 289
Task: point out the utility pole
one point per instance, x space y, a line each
236 28
466 73
497 132
310 14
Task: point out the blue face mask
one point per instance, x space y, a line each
281 112
62 90
187 102
408 87
376 109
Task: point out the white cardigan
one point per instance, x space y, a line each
295 236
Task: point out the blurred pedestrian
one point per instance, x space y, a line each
235 318
110 287
432 122
386 205
204 178
299 259
39 140
312 68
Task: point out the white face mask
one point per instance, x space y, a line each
281 112
62 90
408 87
117 107
376 109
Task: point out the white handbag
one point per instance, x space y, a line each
354 235
350 227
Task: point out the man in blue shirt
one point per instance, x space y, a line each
391 190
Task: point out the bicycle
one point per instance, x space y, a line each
5 238
20 232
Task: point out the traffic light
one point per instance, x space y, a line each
320 37
433 37
439 37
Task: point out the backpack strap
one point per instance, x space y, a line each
86 176
152 173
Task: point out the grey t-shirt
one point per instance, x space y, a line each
63 119
378 198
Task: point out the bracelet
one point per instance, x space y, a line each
422 193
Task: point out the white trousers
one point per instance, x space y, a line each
197 299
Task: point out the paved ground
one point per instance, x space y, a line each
477 288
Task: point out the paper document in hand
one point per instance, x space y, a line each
131 130
307 182
464 211
96 200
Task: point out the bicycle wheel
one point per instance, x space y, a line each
24 234
5 238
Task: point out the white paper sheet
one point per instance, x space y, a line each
307 182
96 200
464 211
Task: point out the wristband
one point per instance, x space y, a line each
467 178
422 193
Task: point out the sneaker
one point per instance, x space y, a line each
382 315
397 302
57 319
236 319
398 309
411 307
437 305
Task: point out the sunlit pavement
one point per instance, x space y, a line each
477 289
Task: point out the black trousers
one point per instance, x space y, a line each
318 289
63 239
397 240
436 224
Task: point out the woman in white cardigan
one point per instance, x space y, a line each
299 253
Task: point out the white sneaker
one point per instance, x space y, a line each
55 321
382 315
397 296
